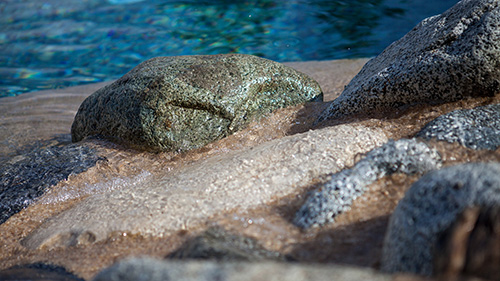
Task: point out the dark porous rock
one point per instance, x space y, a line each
150 269
430 207
220 245
181 103
26 177
444 58
477 128
37 272
336 196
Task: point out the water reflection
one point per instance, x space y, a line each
68 42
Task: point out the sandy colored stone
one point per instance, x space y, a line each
180 199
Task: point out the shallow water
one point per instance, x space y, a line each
58 43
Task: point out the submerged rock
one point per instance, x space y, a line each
444 58
430 207
181 103
218 244
477 128
193 193
403 156
26 177
146 268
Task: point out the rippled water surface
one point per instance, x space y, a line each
58 43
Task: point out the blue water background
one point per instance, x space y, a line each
59 43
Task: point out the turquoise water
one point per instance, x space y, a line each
60 43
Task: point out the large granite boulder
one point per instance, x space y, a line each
430 207
444 58
181 103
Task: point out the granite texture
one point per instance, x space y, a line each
429 207
403 156
181 103
444 58
477 128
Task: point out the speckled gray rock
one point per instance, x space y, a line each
26 177
444 58
37 272
218 244
403 156
477 128
181 103
157 270
429 207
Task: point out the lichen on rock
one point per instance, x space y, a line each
182 103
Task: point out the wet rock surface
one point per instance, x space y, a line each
445 58
26 177
336 196
179 200
430 207
477 128
221 245
181 103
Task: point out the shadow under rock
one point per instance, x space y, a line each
358 244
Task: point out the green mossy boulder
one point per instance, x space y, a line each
185 102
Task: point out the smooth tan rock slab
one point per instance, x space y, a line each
237 180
